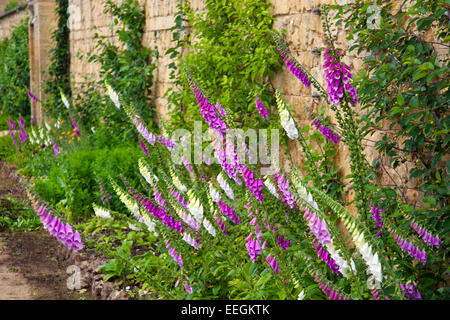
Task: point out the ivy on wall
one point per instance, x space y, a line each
15 72
230 49
59 68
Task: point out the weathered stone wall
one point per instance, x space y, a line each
304 33
7 22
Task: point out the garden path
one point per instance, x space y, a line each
29 267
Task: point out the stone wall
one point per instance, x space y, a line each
8 21
304 33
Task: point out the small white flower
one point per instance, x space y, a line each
101 212
301 295
270 186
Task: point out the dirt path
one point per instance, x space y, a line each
29 267
13 285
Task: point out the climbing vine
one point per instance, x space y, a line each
59 68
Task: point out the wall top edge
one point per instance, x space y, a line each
12 11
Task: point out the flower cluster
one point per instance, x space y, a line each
376 217
168 143
332 295
195 207
409 248
188 219
271 261
221 224
180 199
426 236
333 137
229 212
284 244
101 212
176 182
104 196
177 257
225 186
410 292
158 198
255 186
337 74
64 233
195 243
270 186
287 122
208 226
112 95
161 215
318 227
143 130
262 111
253 247
143 147
282 186
293 67
326 257
208 112
75 127
228 158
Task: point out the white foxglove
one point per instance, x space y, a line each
225 186
208 226
195 207
101 212
176 181
112 95
214 193
287 122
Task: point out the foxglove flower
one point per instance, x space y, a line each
255 186
409 248
215 196
208 112
225 186
221 224
253 248
193 242
270 186
56 149
326 131
208 226
410 292
337 75
64 100
176 181
292 65
188 219
376 217
180 199
168 143
426 236
271 261
326 257
228 212
101 212
112 95
31 96
332 294
75 126
228 158
262 111
282 186
284 244
195 207
149 137
143 147
287 122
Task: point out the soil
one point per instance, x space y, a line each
29 264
